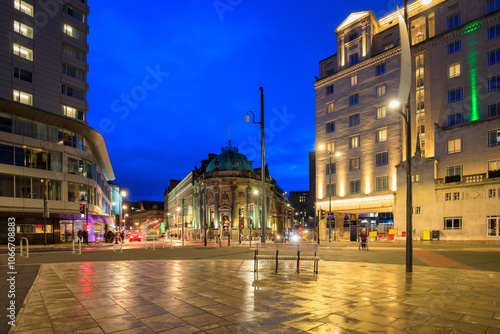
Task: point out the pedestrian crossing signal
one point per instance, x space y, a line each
82 208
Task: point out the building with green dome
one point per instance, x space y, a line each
223 198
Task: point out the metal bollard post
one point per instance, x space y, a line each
121 245
27 247
298 260
77 239
276 262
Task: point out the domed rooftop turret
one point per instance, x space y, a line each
230 159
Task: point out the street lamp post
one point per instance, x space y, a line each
323 147
263 155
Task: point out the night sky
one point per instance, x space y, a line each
166 77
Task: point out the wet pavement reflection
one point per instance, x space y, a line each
226 296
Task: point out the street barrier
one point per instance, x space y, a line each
121 244
146 242
80 240
27 247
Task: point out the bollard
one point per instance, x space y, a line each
276 262
79 245
27 247
121 245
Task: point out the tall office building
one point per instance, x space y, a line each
50 159
455 117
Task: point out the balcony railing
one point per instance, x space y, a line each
474 178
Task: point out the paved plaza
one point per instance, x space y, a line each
226 296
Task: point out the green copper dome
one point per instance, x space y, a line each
230 159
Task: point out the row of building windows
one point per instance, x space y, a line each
381 159
31 157
379 70
25 127
19 186
381 184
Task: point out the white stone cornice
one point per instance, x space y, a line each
351 70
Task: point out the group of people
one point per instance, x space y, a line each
83 236
111 236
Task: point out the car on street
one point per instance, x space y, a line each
134 237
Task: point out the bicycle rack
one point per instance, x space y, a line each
121 244
27 247
80 240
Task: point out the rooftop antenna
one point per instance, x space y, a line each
229 132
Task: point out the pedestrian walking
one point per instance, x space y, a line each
86 236
363 237
80 235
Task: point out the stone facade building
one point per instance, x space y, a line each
223 197
455 117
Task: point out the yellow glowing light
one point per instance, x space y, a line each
353 17
341 189
367 185
320 192
321 147
394 182
358 200
426 2
394 104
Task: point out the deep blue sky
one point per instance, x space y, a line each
209 65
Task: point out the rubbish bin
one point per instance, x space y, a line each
435 235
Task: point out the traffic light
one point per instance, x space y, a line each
241 226
82 208
300 230
251 225
87 226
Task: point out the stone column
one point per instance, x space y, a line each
247 210
216 210
234 211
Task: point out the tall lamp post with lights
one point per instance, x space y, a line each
123 194
263 155
330 153
400 105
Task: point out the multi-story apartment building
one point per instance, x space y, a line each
455 117
49 156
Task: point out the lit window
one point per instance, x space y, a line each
330 89
381 112
382 159
354 80
354 164
454 47
494 31
355 186
494 84
330 127
330 146
23 97
493 5
419 60
23 7
456 118
388 46
415 178
23 52
455 94
493 57
380 69
494 138
354 142
381 90
73 32
381 135
23 29
354 120
454 70
73 112
494 110
453 21
494 165
382 183
455 145
353 99
453 223
329 107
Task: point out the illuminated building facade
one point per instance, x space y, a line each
223 197
455 114
48 153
